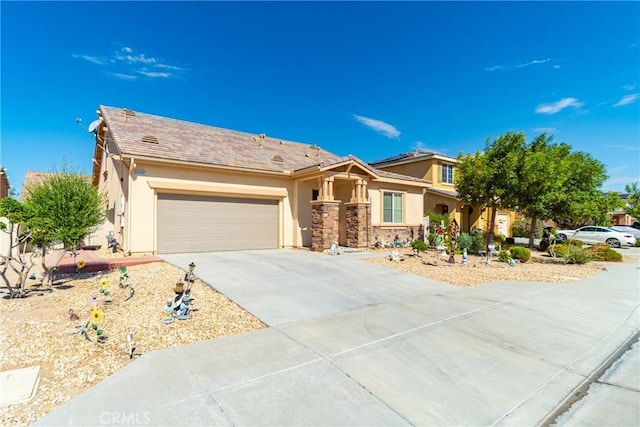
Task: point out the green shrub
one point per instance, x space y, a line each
575 242
477 244
498 239
603 252
576 255
520 253
504 256
521 227
507 245
465 241
560 249
420 245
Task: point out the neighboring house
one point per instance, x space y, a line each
620 216
31 178
441 196
4 183
176 186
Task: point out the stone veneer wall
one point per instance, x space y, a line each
357 224
325 224
386 234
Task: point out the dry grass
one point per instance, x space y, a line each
36 331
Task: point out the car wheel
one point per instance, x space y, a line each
614 243
562 237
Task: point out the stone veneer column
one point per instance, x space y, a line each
325 223
357 224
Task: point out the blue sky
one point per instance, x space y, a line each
372 79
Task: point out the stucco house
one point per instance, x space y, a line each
177 186
4 183
441 196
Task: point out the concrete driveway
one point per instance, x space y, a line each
352 343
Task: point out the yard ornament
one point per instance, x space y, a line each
168 312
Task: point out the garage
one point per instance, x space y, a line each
189 223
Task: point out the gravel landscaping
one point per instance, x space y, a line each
38 330
541 268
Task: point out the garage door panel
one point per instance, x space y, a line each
188 223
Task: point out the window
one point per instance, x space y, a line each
315 194
447 174
392 207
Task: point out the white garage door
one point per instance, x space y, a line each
188 223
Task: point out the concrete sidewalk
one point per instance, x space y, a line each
376 347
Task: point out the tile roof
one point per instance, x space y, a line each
196 143
31 178
376 172
413 156
448 193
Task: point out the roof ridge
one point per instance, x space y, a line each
192 123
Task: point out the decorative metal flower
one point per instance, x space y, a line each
97 316
104 283
80 265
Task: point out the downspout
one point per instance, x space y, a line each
132 164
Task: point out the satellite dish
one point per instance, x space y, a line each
94 125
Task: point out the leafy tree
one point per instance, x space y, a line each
540 176
579 201
64 208
487 179
633 200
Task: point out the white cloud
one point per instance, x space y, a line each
93 59
510 67
556 67
154 74
626 100
125 63
168 67
629 87
379 126
556 107
535 61
123 76
130 58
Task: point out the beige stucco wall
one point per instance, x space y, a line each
301 224
113 185
412 208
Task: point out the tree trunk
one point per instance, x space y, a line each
532 231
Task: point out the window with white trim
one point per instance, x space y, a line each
447 174
392 207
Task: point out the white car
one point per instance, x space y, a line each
625 229
594 234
